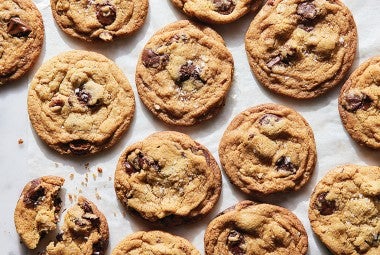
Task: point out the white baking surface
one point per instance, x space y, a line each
19 163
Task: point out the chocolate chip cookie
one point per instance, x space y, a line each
344 210
217 11
301 48
359 106
154 242
99 19
37 209
250 228
85 231
22 36
168 178
268 149
80 103
184 73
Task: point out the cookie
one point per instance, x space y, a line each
344 210
85 231
301 48
358 104
250 228
154 242
37 209
268 149
168 178
99 19
22 36
80 103
184 73
217 11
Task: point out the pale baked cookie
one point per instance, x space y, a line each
268 149
80 102
85 231
359 106
22 36
344 210
168 178
184 73
37 209
250 228
217 11
99 19
301 48
154 242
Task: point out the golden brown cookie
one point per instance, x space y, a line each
80 102
251 228
301 48
184 73
85 231
154 242
268 149
22 36
168 178
359 106
99 19
344 210
37 209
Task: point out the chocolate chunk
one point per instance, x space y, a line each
274 61
307 10
54 102
235 241
98 248
18 28
196 151
35 194
59 237
57 202
106 14
129 169
356 100
306 27
325 207
80 147
140 162
189 71
284 163
82 95
95 220
152 59
86 207
224 7
269 118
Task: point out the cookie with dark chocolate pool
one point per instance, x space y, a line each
168 179
268 149
358 104
104 19
301 48
217 11
37 210
184 73
344 210
22 36
80 103
252 228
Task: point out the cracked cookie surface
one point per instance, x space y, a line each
80 102
344 210
37 209
84 231
168 178
251 228
217 11
22 36
154 242
184 73
268 149
301 48
359 106
99 19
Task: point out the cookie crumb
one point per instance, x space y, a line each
100 170
80 191
70 197
94 176
71 176
98 196
87 166
20 141
110 178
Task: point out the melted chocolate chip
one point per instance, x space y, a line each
82 95
18 28
35 194
307 11
106 14
80 147
59 237
189 71
284 163
95 220
154 60
356 101
325 207
224 7
57 202
235 240
98 248
269 118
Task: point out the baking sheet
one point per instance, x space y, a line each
19 163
